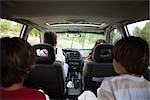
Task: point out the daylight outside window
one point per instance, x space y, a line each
140 29
10 28
84 41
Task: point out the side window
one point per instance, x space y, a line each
140 29
10 28
115 36
34 36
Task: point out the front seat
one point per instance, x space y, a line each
94 72
47 75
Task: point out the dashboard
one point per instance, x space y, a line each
73 58
73 55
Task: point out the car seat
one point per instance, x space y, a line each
95 71
47 74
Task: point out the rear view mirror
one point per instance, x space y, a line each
73 35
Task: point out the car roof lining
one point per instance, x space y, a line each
95 11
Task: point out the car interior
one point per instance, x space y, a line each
78 24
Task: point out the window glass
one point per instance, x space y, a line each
140 29
84 41
115 36
9 28
34 36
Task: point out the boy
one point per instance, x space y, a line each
131 58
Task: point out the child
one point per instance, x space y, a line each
131 58
17 59
89 57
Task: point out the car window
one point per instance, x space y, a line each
34 36
10 28
115 36
84 41
140 29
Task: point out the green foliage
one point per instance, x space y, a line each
86 41
115 36
4 25
14 28
144 33
35 32
17 28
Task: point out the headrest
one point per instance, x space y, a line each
103 53
44 54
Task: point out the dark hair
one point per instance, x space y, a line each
17 58
99 41
50 38
133 54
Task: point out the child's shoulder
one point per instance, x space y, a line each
112 78
125 77
115 78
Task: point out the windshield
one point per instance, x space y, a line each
84 41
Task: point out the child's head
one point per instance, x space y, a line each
17 58
50 38
99 41
131 55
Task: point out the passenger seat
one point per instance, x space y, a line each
95 71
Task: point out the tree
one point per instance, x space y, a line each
4 25
35 32
17 27
144 32
136 31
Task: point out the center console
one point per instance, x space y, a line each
74 85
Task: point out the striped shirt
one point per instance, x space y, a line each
124 87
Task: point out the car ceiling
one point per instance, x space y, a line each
64 11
